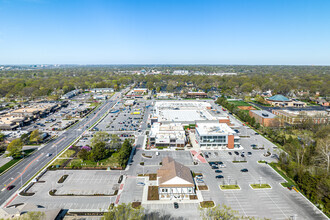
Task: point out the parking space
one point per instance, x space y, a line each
183 157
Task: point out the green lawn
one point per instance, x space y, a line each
13 161
7 165
260 186
239 103
67 153
229 187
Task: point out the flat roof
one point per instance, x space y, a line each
263 113
205 128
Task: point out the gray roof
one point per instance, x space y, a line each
263 113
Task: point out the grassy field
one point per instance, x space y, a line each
67 153
229 187
239 103
9 164
260 186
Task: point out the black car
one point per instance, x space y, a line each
220 162
256 133
249 153
229 153
215 167
236 153
176 205
206 156
242 155
10 187
244 170
218 171
219 177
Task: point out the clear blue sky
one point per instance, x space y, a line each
165 32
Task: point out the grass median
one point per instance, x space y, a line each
260 186
226 187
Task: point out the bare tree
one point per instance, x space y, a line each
323 151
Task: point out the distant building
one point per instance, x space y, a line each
264 118
298 117
164 95
167 135
282 101
71 94
130 102
175 180
102 90
180 72
216 136
190 95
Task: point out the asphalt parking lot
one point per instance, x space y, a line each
183 157
79 182
124 119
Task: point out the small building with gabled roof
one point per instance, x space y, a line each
175 180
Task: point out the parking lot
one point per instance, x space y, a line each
79 182
183 157
123 118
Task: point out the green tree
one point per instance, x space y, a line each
100 137
83 154
98 152
221 212
124 212
15 147
35 136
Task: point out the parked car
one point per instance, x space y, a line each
222 165
206 156
249 153
236 152
10 187
215 167
229 153
176 205
140 184
242 155
219 177
244 170
218 171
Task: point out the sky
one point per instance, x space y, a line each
252 32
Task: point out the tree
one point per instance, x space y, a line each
35 136
323 152
83 154
99 137
2 137
124 212
220 212
14 147
124 153
98 152
31 215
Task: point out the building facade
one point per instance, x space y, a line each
216 136
264 118
174 180
167 135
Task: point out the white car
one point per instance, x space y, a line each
140 184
